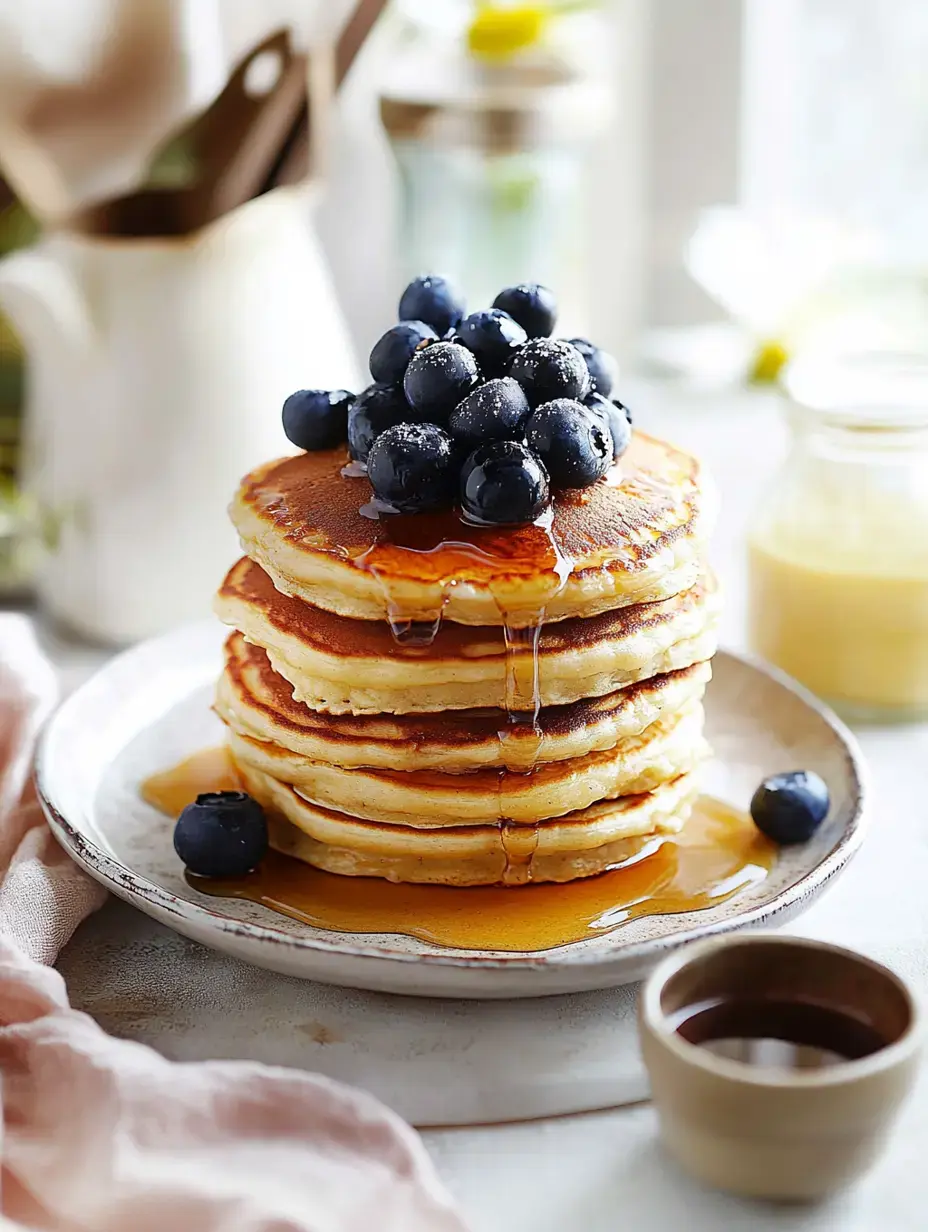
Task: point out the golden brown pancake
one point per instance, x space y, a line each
255 701
633 537
430 799
343 665
578 845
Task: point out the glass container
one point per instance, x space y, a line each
838 550
494 157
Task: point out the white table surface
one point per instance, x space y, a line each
604 1171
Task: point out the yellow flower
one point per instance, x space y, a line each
769 360
498 33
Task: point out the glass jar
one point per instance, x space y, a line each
838 551
495 154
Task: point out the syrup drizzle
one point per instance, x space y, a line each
718 854
414 632
433 550
519 843
520 743
520 737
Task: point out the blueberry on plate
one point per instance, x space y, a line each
532 305
615 416
549 368
222 834
790 807
317 418
393 351
603 368
438 377
434 300
493 336
574 442
373 411
494 411
504 484
411 467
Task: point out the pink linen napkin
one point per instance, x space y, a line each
105 1135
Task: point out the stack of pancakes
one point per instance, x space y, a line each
415 698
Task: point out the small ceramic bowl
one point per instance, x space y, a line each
761 1118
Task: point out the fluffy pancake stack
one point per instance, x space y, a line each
414 698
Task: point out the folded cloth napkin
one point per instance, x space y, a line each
101 1135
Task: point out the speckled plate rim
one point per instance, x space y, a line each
632 959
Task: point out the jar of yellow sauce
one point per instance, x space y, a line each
838 552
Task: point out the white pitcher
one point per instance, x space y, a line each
157 369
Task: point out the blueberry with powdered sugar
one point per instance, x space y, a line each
494 411
549 368
438 377
411 468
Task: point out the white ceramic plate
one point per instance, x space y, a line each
150 707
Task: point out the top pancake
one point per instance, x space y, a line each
633 537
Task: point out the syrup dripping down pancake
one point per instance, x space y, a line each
254 701
355 666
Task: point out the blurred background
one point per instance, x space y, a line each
206 205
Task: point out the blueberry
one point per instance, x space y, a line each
223 834
395 349
373 411
532 305
790 807
492 335
574 443
616 418
411 467
438 377
433 300
491 412
603 368
549 368
317 418
503 483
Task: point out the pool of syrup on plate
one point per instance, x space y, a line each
718 853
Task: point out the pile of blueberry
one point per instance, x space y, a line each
486 410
